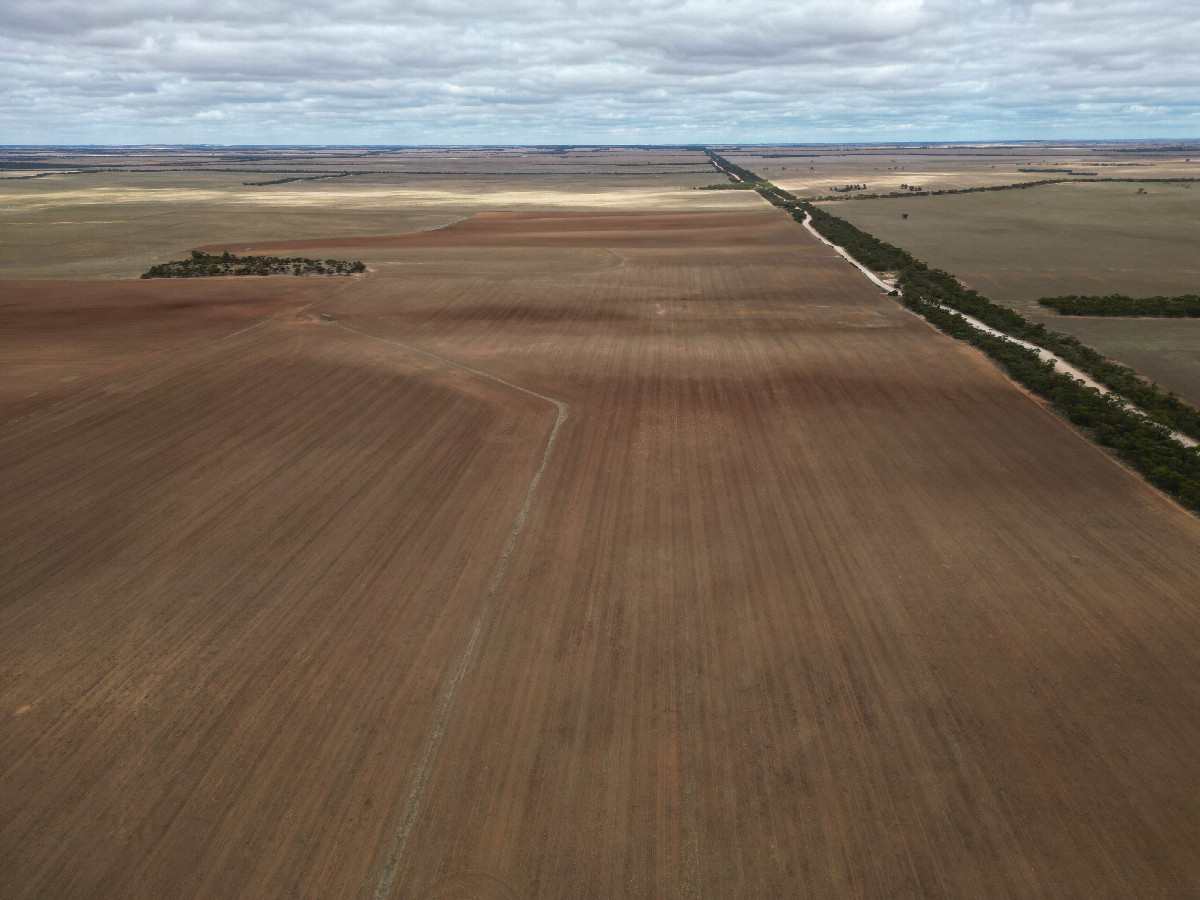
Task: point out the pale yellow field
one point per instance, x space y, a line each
883 170
1018 246
114 225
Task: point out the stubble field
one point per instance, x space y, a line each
813 171
116 224
588 553
1017 246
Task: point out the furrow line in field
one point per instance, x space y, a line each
445 707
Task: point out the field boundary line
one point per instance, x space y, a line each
449 697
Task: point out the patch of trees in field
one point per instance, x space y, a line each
848 188
1185 306
1143 441
728 186
211 265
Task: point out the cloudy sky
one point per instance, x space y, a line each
611 71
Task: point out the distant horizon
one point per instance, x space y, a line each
682 145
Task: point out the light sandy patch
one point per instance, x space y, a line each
673 198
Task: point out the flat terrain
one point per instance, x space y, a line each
800 598
1017 246
815 171
58 337
110 223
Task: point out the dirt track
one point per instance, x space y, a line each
811 601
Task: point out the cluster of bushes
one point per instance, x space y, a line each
1144 443
208 265
728 186
1183 306
847 188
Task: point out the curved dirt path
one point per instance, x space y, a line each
445 707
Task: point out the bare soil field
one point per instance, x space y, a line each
800 598
117 225
229 597
1017 246
813 172
57 337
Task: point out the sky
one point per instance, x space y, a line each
595 71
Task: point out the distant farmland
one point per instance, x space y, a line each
1018 246
583 553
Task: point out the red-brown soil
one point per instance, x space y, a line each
57 337
810 600
716 231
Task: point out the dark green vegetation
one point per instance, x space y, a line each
210 265
728 186
1183 306
292 178
1057 171
1144 443
735 172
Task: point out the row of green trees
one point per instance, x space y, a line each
209 265
1144 443
731 169
1183 306
940 288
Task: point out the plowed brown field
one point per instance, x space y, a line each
57 336
770 590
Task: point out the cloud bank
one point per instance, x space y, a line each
452 71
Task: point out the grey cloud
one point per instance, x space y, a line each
529 70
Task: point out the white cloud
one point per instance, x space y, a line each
379 71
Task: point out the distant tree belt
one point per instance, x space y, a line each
1185 306
1015 186
299 178
209 265
1060 171
731 169
1144 443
